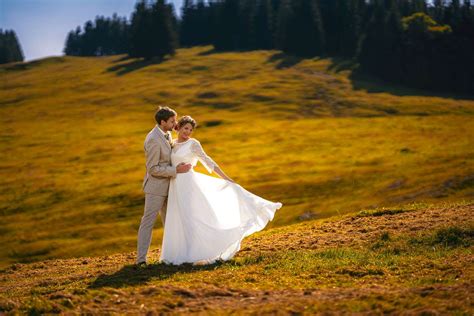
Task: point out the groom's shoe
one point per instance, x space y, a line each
141 265
201 263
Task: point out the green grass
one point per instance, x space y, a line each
447 237
301 132
381 212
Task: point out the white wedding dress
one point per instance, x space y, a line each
207 217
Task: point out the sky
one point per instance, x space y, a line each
42 25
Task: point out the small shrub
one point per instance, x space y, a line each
377 245
385 236
453 236
393 251
360 273
38 306
236 262
381 212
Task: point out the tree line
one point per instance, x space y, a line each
412 42
10 49
103 36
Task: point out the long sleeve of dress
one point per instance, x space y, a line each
207 161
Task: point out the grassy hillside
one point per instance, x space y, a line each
308 133
414 259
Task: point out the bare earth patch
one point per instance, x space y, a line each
356 230
371 262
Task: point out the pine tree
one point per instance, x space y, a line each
140 31
350 29
392 45
163 38
317 44
453 14
104 36
438 10
10 48
305 35
264 25
227 26
119 35
282 37
187 24
88 43
405 7
418 6
153 30
246 31
380 51
331 13
206 21
371 52
466 27
70 48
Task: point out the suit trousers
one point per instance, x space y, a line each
153 205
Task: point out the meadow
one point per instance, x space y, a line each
312 134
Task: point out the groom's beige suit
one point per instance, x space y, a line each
155 185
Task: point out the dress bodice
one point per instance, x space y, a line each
191 152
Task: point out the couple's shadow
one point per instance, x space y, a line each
133 275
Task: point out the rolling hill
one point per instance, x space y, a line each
312 134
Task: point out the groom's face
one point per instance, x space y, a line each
169 124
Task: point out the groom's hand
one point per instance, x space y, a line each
183 167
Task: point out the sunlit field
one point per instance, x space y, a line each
308 133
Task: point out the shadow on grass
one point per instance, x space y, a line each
133 65
214 50
123 58
210 52
283 60
361 80
341 64
133 275
18 66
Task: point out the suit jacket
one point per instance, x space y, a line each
158 163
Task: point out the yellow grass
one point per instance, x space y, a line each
319 141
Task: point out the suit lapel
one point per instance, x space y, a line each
162 137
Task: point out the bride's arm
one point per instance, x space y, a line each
222 174
208 163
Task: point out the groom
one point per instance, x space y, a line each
157 178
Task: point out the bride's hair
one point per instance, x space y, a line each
185 120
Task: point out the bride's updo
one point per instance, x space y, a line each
185 120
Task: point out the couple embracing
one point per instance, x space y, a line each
204 218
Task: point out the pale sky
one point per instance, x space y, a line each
42 25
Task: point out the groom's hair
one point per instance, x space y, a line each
163 114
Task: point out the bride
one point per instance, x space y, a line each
207 217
